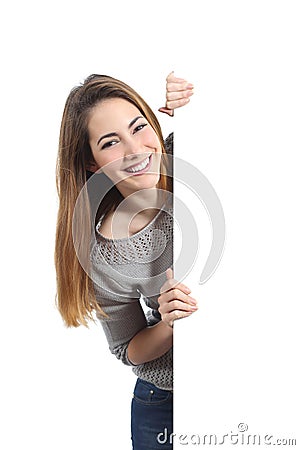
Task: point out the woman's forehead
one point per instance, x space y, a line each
112 112
115 106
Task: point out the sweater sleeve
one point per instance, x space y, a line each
125 319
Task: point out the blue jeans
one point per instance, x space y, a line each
151 417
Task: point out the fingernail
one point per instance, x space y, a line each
193 301
190 86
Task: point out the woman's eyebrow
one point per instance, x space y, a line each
134 120
114 133
107 136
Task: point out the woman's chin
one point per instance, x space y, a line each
137 183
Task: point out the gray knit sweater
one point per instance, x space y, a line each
128 274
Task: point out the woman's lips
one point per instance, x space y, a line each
141 167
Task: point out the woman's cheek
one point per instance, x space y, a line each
114 171
110 161
150 139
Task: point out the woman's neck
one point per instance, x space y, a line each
134 213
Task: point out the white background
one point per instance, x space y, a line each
237 359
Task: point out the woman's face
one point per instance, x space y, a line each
124 146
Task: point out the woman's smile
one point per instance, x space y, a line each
141 167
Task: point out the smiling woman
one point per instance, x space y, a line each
110 136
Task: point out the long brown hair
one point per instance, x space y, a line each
75 295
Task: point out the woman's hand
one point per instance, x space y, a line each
175 301
178 93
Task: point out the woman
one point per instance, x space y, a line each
114 242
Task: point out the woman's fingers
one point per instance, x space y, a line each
175 315
180 87
177 305
176 298
174 104
171 283
175 301
178 294
171 77
178 93
169 273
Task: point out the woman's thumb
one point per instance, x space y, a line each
169 273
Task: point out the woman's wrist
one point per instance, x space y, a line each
167 327
150 343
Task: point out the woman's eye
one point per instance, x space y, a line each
109 144
140 127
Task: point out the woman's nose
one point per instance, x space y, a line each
133 147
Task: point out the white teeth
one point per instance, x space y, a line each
140 166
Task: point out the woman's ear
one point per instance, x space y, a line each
92 167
